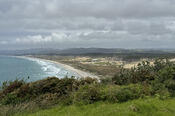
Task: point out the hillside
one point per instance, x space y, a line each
143 90
85 51
141 107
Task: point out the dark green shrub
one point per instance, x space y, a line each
88 80
133 91
161 63
9 87
170 85
157 86
143 72
122 77
10 99
87 94
66 99
166 73
114 93
124 95
44 86
161 70
24 92
139 90
66 85
109 92
106 80
47 100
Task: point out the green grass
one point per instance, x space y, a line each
140 107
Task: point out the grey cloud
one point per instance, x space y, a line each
93 8
65 23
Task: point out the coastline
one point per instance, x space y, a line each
81 73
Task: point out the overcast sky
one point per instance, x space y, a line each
87 23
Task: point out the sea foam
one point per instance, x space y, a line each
52 69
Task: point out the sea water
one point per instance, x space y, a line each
30 69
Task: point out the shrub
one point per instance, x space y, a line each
24 92
106 80
62 88
139 90
129 92
114 93
122 77
87 94
108 93
10 99
46 100
66 85
161 71
143 72
163 94
124 95
44 86
9 87
117 94
170 85
161 63
88 80
166 73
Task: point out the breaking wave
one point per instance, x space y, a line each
52 69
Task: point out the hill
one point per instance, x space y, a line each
142 107
85 51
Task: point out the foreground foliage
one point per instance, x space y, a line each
141 107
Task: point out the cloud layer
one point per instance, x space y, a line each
87 23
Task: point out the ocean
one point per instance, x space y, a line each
12 68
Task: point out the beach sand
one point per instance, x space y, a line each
81 73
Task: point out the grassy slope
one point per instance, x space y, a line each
141 107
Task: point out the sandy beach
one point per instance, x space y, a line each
81 73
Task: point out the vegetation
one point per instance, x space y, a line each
140 107
145 82
98 70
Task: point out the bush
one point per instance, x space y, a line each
47 85
10 99
166 73
139 90
161 63
88 80
108 93
170 85
115 93
47 100
161 71
124 95
87 94
122 77
9 87
143 72
106 80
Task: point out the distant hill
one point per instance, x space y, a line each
81 51
29 52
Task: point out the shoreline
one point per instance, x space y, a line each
81 73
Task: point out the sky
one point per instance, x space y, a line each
26 24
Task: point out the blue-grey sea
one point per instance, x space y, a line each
12 68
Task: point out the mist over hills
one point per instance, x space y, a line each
81 51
